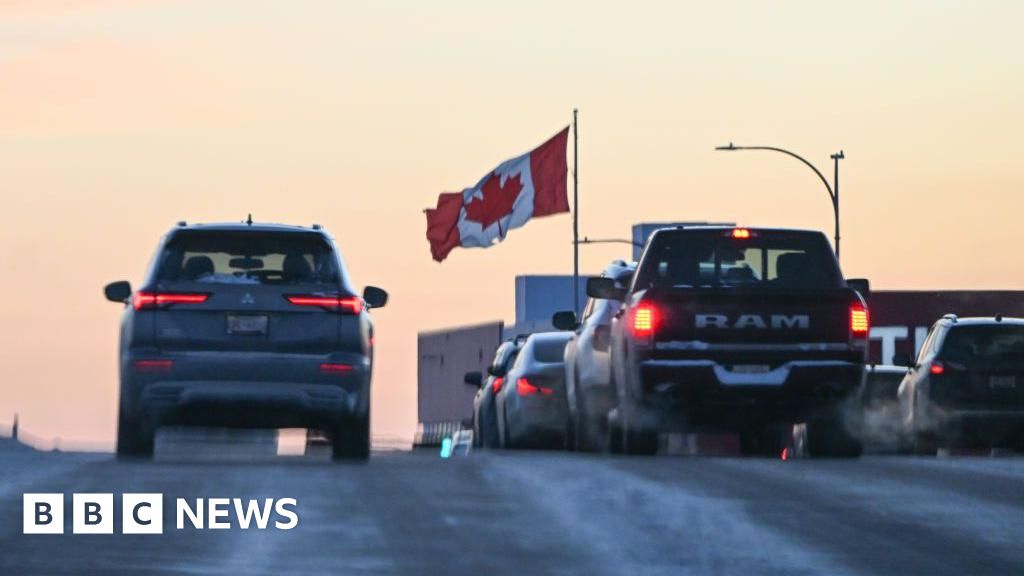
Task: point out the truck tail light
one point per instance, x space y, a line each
645 320
143 300
859 320
525 388
345 304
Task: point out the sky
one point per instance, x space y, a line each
120 117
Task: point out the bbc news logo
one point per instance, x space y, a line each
144 513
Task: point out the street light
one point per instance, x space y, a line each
610 241
833 190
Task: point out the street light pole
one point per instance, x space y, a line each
587 240
833 190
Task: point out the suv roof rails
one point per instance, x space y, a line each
950 317
182 223
999 317
316 226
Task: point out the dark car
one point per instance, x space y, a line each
246 325
485 423
966 387
587 374
737 330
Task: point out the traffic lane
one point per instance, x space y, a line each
404 513
870 516
548 513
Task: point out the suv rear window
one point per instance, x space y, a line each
713 258
991 346
208 256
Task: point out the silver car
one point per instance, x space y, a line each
531 406
587 375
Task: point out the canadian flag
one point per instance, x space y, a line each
524 187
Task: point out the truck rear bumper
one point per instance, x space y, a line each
707 394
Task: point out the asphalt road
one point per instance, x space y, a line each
541 513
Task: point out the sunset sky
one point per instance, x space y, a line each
119 118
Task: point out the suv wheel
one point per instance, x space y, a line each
134 439
352 440
587 431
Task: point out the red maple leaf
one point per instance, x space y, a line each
497 200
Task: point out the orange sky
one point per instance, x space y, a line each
119 118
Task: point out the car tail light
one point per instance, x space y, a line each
152 365
160 299
645 320
344 304
937 368
525 388
497 384
859 320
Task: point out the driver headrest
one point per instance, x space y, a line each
197 266
296 266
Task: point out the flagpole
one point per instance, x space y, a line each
575 217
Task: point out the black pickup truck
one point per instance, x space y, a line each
738 330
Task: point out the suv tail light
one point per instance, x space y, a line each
153 365
859 320
345 304
335 368
525 388
937 368
497 384
149 300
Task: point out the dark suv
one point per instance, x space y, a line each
966 387
246 325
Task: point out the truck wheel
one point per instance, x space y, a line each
829 438
134 439
351 440
768 440
614 441
640 442
925 444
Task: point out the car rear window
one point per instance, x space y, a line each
982 346
208 256
549 349
714 258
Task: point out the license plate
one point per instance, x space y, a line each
1002 382
751 368
247 324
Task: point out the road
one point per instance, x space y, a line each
542 513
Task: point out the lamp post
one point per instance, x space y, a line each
610 241
833 190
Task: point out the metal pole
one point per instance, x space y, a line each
832 194
835 195
575 217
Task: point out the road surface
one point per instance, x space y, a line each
541 513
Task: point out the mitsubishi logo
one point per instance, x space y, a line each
248 299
